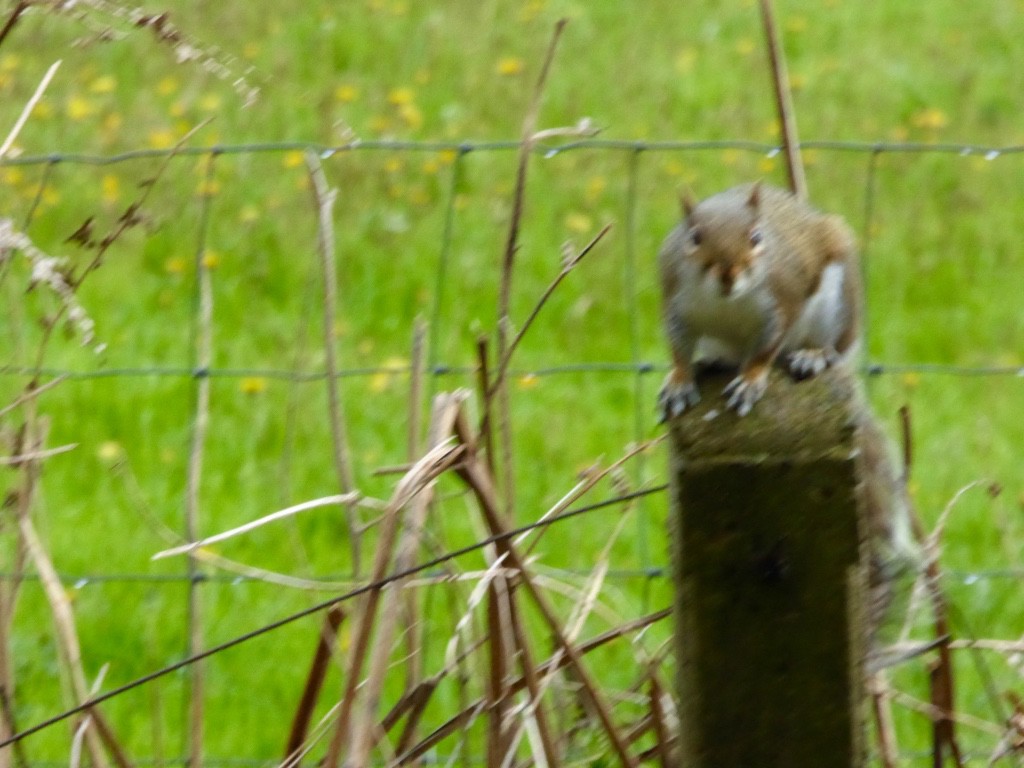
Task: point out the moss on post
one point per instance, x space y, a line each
766 550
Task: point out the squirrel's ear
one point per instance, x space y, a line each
754 201
687 202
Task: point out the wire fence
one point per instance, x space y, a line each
636 370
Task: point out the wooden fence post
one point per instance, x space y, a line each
769 592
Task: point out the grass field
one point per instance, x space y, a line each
420 232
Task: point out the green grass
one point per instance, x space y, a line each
943 265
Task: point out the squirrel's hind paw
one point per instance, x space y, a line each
805 363
675 397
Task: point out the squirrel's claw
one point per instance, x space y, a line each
805 363
744 391
675 397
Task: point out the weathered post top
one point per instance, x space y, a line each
766 548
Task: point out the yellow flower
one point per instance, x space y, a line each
578 223
766 165
911 380
531 10
210 102
930 119
166 86
686 59
176 265
251 50
510 65
79 108
110 451
346 93
448 156
12 176
596 186
110 188
745 46
411 114
528 381
293 159
393 368
208 188
393 164
431 165
112 122
9 62
796 24
400 96
211 259
253 385
161 139
42 110
103 84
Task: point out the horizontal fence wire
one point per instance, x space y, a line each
541 148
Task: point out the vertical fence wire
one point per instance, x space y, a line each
443 259
870 191
639 416
202 333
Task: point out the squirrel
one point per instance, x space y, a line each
753 273
749 274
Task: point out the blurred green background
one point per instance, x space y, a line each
420 232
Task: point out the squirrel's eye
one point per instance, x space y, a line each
756 237
695 237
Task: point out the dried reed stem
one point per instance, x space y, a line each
200 427
314 683
19 8
60 604
567 267
444 410
323 197
475 474
29 106
556 662
343 499
508 262
881 707
32 393
420 477
784 103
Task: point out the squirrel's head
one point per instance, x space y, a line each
724 238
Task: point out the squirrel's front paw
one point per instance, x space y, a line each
745 390
675 397
805 363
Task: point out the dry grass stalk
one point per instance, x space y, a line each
314 683
499 653
784 102
343 499
568 265
419 478
508 263
476 476
29 106
881 708
324 197
200 426
443 415
557 662
60 605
